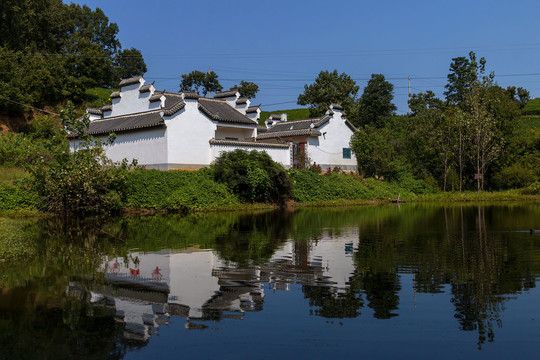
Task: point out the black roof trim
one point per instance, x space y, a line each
130 81
225 94
249 143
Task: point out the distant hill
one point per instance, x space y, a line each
292 114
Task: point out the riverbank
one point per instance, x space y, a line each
148 192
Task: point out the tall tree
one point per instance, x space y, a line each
328 88
247 89
201 82
375 105
464 74
483 138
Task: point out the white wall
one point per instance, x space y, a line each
131 101
327 150
149 147
279 155
189 132
223 132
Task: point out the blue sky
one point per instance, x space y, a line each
282 45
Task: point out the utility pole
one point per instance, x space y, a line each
408 101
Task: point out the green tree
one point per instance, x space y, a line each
464 74
375 105
201 82
376 153
129 63
328 88
253 176
247 89
422 102
51 51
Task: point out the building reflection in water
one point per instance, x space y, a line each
146 289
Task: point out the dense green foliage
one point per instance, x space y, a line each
51 51
247 89
308 186
329 87
252 176
474 140
175 190
375 105
201 82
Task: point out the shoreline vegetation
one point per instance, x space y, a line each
150 192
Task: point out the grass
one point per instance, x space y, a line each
532 107
12 175
473 196
292 114
529 122
96 97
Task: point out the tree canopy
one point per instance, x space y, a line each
375 105
247 89
201 82
464 73
51 51
328 88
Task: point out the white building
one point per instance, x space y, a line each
165 130
324 140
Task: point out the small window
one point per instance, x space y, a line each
346 153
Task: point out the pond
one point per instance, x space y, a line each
409 281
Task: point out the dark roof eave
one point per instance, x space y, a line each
248 143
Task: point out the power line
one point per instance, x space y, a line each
30 106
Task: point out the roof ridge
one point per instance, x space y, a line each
132 114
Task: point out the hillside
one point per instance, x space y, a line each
292 114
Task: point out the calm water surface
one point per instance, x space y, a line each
374 282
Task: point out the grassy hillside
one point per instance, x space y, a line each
532 107
292 114
529 122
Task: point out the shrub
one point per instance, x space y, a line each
16 197
252 176
199 195
515 176
175 190
532 189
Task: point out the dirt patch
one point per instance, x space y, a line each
11 122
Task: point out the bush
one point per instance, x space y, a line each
175 190
252 176
199 195
16 197
533 189
515 176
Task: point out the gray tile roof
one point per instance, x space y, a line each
174 107
130 122
249 143
130 81
275 117
219 110
252 109
94 111
115 94
106 107
289 133
337 106
156 96
225 94
190 94
307 127
241 101
145 88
